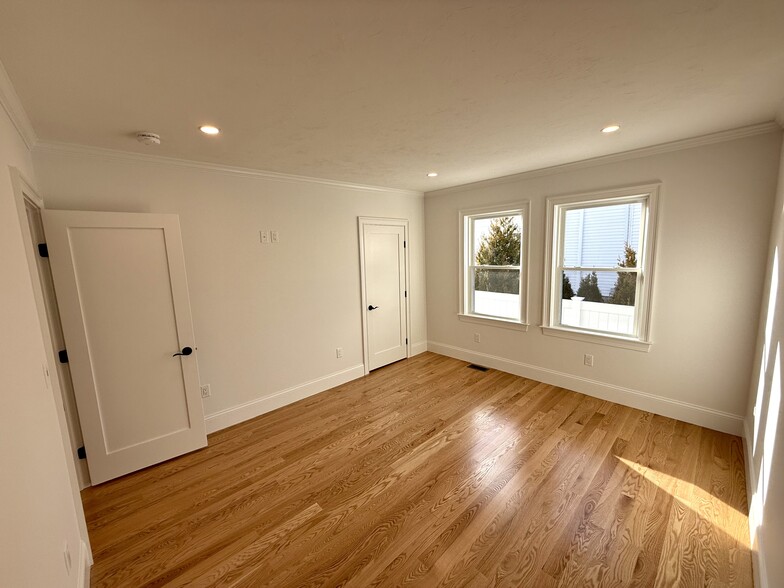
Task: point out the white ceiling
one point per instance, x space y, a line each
381 92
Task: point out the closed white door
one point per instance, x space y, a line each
123 299
385 308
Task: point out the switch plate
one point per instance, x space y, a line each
588 360
205 391
477 338
274 236
264 236
338 352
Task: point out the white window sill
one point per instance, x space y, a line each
601 339
495 322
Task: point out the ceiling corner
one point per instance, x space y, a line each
10 101
780 114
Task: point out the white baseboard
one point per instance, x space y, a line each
677 409
417 348
237 414
85 562
757 557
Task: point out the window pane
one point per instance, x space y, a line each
497 292
497 240
602 301
602 236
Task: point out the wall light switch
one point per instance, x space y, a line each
588 360
274 236
264 236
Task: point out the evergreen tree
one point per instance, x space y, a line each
626 284
566 287
500 246
589 288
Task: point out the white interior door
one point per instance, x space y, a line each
385 299
123 299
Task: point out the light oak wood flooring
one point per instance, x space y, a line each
429 473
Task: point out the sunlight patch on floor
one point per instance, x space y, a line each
719 514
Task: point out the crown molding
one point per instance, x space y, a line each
130 157
721 136
10 102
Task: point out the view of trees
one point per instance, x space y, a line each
500 246
589 288
566 287
623 292
626 285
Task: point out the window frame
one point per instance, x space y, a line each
648 195
465 269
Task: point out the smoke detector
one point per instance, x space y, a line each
147 138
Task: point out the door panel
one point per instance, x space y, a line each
121 286
385 286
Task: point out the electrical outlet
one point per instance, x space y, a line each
274 236
477 338
264 236
338 352
588 360
205 391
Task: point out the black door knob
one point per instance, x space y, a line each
371 307
185 351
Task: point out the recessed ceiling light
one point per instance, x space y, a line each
611 129
432 174
209 130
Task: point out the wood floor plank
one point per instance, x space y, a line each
427 473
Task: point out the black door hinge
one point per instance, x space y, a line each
63 356
406 340
404 244
43 250
81 453
405 293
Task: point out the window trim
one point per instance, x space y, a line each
556 207
521 207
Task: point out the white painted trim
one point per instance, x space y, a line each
417 348
551 295
690 143
11 103
85 563
23 191
677 409
248 410
493 322
524 208
130 157
392 222
757 558
599 339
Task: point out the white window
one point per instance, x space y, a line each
494 268
600 266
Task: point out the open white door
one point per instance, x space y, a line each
123 299
385 296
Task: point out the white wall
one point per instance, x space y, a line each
267 317
714 223
38 514
765 420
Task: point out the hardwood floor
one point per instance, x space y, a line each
429 473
